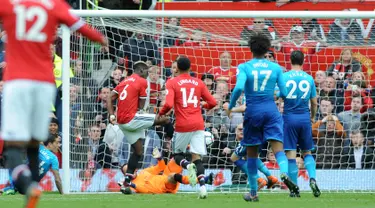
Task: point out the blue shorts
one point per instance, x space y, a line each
240 151
262 125
297 130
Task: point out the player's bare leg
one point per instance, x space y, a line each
132 165
192 170
196 159
252 173
282 161
33 193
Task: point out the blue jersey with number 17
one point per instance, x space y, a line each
258 79
300 89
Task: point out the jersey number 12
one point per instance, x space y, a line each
189 99
24 15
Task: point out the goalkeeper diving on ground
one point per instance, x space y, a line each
160 178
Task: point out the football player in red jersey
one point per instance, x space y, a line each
29 88
184 93
131 94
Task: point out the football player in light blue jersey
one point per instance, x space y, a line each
298 118
262 122
47 161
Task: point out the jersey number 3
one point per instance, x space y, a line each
191 99
24 15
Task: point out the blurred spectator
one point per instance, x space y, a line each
343 69
313 30
325 108
257 27
360 156
194 39
296 41
239 177
155 84
330 91
208 80
358 89
99 150
114 80
172 32
351 119
271 162
225 72
329 134
139 47
320 80
345 32
222 90
101 108
329 127
2 52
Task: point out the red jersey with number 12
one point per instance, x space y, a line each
30 27
129 91
185 93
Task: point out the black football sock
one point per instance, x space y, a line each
33 156
178 177
21 174
180 160
200 172
133 163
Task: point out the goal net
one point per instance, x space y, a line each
338 54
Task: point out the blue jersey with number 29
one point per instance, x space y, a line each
300 89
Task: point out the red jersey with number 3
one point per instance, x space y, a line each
30 27
184 93
129 91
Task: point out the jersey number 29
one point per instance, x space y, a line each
24 15
303 86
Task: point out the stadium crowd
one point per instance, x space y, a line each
344 129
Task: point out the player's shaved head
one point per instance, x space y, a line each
296 58
140 68
183 64
259 45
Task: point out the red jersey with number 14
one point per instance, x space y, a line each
184 93
129 91
30 27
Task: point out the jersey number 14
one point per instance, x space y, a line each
191 99
24 15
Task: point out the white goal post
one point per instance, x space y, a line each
108 14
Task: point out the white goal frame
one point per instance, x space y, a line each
162 14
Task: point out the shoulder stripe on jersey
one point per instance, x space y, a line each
115 91
76 26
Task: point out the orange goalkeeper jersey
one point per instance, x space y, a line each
151 181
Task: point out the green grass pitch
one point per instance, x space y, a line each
279 200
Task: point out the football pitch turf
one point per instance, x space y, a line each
279 200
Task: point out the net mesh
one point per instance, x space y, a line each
338 53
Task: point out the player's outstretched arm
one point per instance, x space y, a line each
314 108
111 112
168 101
281 83
58 182
238 89
206 95
62 11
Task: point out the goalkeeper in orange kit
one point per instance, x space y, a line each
159 179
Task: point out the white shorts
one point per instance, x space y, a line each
26 110
181 140
135 129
